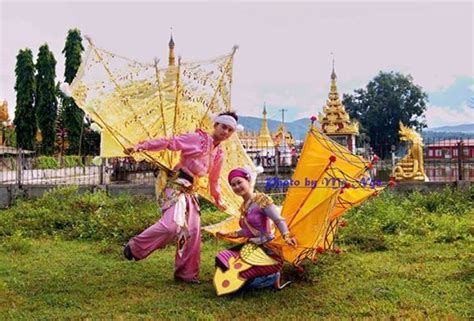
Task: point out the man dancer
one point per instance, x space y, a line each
201 154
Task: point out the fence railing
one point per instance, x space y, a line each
18 167
445 160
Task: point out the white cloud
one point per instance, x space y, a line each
437 116
284 56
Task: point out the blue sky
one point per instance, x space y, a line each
284 56
448 106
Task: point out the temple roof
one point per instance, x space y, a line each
335 119
264 139
171 52
277 137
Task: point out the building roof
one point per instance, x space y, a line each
452 143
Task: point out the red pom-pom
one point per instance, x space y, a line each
314 118
320 249
299 269
391 183
332 158
343 223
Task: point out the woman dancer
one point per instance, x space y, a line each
255 264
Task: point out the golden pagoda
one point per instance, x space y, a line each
280 133
264 139
171 52
258 142
335 121
172 70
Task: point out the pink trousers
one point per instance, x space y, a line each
165 231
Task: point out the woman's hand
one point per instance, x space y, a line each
291 241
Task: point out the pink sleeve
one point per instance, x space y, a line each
175 143
214 174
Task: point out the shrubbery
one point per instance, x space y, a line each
49 162
437 216
72 161
46 162
66 214
388 220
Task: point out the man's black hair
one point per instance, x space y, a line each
230 113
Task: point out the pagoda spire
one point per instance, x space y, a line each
264 139
171 47
333 74
335 119
333 94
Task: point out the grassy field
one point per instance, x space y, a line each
404 256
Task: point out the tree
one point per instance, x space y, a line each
388 99
73 116
61 131
46 104
25 120
91 140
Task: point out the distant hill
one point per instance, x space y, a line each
464 128
449 132
430 136
297 128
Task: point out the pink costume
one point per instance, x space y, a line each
180 210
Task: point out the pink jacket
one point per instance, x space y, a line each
198 156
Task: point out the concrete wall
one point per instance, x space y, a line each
8 193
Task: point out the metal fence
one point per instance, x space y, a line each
445 160
18 167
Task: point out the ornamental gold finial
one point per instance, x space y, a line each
171 58
333 74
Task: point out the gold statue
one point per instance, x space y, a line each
411 167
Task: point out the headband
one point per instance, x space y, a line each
229 121
238 172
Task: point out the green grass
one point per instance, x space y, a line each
415 272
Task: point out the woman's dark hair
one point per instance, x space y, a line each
230 113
